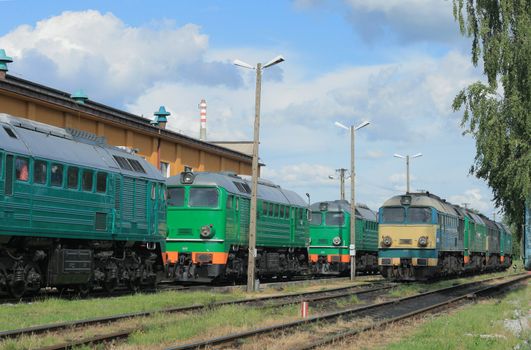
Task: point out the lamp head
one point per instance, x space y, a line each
242 64
274 61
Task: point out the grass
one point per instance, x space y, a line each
216 322
347 301
411 288
478 326
13 316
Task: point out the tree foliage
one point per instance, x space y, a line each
497 113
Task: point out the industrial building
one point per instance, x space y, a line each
168 150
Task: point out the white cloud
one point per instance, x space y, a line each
301 174
109 59
474 199
375 154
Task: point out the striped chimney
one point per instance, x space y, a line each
202 113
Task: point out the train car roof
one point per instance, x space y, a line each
423 199
28 137
362 211
476 218
489 223
235 184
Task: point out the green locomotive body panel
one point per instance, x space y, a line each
69 199
330 238
208 223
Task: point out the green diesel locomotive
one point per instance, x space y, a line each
330 238
208 224
75 212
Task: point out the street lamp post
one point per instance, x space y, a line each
252 222
407 157
341 172
352 247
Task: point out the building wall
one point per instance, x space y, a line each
153 148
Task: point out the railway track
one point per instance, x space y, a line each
382 314
278 300
69 295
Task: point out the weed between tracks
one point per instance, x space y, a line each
162 330
476 326
59 310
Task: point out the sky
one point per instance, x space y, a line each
395 63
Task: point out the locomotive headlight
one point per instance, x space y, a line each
423 241
336 240
206 231
387 241
187 177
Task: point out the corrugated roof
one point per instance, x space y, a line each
342 205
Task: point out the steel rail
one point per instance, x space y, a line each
324 317
97 339
125 333
346 334
114 318
98 294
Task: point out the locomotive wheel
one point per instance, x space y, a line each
17 290
83 290
110 286
134 285
33 278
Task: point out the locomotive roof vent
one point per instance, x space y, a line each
267 183
323 206
231 174
86 136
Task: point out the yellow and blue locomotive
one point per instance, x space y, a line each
422 236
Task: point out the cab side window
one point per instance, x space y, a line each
86 180
101 183
40 170
73 175
22 169
57 175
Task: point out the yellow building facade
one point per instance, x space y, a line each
164 148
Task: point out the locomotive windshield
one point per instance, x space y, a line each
316 218
176 197
419 215
393 215
203 197
335 218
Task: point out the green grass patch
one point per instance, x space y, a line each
348 301
59 310
223 320
479 326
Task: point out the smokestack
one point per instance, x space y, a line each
202 113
